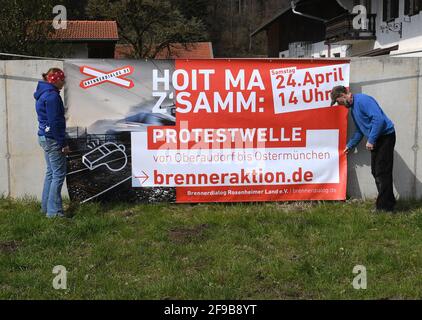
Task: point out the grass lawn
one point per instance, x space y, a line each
212 251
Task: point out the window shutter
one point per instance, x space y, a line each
407 7
384 10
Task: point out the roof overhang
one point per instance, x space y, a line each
377 52
266 24
307 9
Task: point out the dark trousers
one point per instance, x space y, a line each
382 169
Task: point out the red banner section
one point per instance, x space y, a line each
247 130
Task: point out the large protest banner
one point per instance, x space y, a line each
206 130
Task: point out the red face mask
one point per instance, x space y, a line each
55 76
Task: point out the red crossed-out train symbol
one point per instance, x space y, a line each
99 77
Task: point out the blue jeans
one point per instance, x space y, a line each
54 177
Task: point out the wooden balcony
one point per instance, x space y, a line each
340 30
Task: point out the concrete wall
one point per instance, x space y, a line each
4 165
397 86
22 164
394 82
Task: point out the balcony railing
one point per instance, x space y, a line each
340 29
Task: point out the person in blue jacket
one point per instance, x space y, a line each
371 122
52 139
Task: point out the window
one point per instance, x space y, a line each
336 55
412 7
390 10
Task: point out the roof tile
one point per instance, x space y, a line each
86 30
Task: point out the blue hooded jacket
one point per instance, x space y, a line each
50 111
369 119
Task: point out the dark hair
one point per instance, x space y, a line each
51 70
337 92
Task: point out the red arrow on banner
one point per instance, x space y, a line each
145 177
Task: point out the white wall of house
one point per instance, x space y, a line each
284 54
411 26
411 39
320 50
410 42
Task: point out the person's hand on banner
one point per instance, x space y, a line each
66 150
346 150
369 146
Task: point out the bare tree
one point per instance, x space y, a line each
149 25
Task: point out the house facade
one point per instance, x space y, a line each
87 39
376 27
